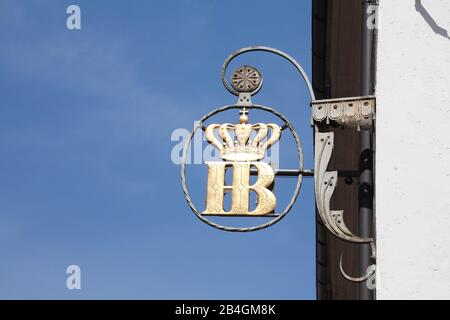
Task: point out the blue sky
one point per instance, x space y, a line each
86 177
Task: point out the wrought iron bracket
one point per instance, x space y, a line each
354 112
325 183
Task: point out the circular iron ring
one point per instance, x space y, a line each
198 125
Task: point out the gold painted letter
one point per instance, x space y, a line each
240 190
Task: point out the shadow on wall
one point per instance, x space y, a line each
429 19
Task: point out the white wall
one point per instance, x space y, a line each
413 152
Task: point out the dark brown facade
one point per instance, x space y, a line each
337 37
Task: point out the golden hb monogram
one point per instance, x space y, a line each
241 154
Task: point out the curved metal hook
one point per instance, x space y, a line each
370 269
271 50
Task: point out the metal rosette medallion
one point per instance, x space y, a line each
246 79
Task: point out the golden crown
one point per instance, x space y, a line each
242 148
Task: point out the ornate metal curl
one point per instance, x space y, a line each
325 183
278 217
370 273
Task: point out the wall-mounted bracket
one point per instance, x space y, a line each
324 184
354 112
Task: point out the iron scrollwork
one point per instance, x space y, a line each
325 183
